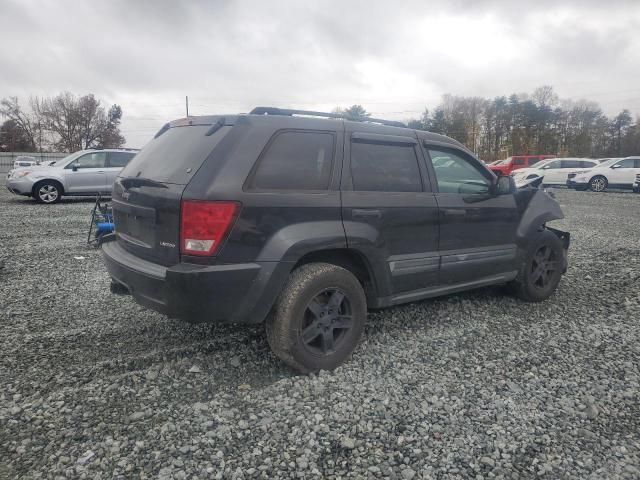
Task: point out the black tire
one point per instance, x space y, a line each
541 269
47 192
598 183
321 305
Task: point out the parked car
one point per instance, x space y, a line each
24 161
636 184
505 167
554 172
617 173
307 222
87 172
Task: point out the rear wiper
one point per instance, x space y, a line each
140 182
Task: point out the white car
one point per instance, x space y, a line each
555 171
87 172
617 173
25 161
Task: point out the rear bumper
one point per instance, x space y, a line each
236 293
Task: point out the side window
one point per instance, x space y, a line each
90 160
119 159
533 160
570 163
626 163
456 173
379 167
295 160
586 164
637 163
552 165
518 161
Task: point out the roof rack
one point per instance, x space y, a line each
290 112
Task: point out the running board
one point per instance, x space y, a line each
446 289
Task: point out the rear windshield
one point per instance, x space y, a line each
176 155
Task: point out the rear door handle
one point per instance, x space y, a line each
454 212
365 213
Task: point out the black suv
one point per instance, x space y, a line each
307 221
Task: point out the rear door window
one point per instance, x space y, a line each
570 163
295 160
119 159
379 167
518 161
175 155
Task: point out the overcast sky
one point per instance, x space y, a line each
393 57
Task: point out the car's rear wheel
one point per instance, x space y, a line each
47 192
318 318
598 183
541 270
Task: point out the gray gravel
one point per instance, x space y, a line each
476 385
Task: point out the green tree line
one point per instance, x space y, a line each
537 123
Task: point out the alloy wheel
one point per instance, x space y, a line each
543 266
327 319
598 184
48 193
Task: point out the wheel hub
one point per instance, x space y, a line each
327 320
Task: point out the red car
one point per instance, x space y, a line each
505 167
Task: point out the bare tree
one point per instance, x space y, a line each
30 123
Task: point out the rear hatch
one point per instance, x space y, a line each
148 191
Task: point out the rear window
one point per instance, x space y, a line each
295 161
176 155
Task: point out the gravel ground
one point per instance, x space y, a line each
477 385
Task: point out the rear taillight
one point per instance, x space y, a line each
204 225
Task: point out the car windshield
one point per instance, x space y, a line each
70 158
609 162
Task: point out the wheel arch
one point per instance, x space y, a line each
51 180
349 259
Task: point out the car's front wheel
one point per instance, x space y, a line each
598 183
47 192
542 268
318 318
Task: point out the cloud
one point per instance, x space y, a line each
392 57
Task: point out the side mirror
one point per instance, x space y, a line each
617 165
74 168
504 185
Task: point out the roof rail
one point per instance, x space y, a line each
290 112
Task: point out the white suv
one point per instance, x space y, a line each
87 172
555 171
616 173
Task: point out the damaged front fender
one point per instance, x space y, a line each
539 209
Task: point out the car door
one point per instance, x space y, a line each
86 174
389 211
551 172
622 173
116 161
560 175
477 228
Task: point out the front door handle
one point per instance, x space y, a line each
454 212
366 213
